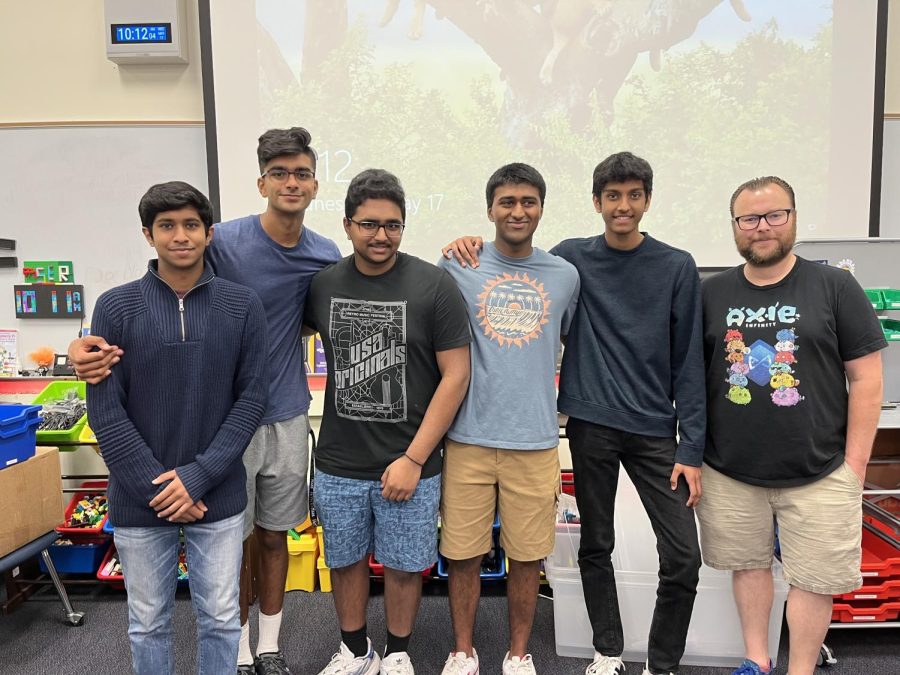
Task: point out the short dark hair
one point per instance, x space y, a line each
374 184
172 196
621 167
515 174
280 142
758 184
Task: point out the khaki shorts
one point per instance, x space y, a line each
819 528
524 482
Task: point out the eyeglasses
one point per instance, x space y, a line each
370 228
281 175
775 218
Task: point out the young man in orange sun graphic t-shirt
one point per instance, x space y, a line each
501 451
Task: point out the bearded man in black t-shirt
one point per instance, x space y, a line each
787 442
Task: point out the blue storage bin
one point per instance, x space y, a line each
18 429
79 558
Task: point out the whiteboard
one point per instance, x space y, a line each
71 193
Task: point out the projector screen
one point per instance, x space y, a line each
444 92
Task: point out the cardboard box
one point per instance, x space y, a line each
32 499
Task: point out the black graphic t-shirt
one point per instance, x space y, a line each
380 335
775 380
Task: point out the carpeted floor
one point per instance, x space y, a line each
35 640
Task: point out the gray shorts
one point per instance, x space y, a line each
277 464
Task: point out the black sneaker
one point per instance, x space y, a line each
246 670
271 663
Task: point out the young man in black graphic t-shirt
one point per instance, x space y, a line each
396 336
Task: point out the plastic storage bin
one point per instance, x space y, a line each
887 590
376 569
80 558
301 575
324 575
891 329
714 637
54 392
890 298
18 426
90 488
876 298
880 559
865 612
116 580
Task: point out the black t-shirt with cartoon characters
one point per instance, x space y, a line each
775 379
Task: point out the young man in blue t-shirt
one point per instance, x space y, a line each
276 255
632 374
520 300
173 421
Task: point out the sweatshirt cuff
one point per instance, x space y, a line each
194 479
689 455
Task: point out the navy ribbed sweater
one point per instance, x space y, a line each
188 394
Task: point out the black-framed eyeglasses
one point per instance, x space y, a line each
392 228
279 174
775 218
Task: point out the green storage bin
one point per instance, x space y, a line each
891 329
876 298
54 392
890 298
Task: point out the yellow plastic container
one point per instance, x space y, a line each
302 552
320 533
324 575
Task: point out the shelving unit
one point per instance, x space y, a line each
873 263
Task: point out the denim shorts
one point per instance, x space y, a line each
358 521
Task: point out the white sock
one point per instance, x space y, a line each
245 656
269 627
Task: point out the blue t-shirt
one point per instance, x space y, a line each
242 252
518 307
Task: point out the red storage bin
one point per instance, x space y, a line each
880 559
89 488
865 612
886 591
377 569
567 479
114 580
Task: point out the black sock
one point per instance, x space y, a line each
356 641
396 644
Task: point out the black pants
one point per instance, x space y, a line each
596 453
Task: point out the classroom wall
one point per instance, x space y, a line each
65 76
73 82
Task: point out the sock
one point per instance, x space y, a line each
245 656
396 644
269 627
356 641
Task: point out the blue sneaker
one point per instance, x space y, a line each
749 667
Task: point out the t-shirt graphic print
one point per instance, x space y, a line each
512 309
767 364
369 340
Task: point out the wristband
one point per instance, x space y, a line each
418 464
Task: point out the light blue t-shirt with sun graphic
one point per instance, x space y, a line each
518 308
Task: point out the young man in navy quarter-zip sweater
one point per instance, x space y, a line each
173 421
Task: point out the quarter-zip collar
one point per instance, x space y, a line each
205 278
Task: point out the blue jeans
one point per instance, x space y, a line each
149 558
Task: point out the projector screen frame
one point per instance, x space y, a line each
881 36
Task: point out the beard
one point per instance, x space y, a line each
773 257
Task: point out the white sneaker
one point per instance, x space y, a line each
518 666
647 670
345 663
460 664
397 663
605 665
